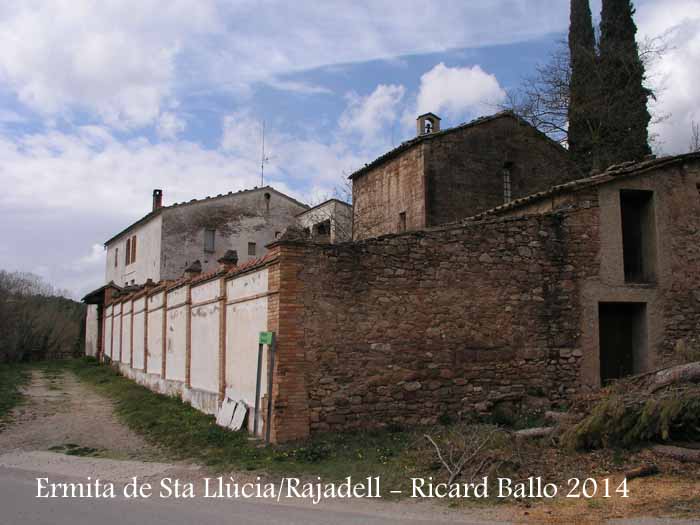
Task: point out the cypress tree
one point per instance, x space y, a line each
583 113
624 132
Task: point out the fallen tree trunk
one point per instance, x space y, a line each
687 373
534 432
641 472
688 455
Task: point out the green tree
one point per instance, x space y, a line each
625 117
583 113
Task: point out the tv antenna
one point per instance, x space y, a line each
263 158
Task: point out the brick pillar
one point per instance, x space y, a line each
131 335
121 330
290 412
145 333
165 330
222 338
188 336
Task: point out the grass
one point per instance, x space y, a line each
187 434
12 378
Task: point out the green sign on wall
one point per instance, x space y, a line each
265 338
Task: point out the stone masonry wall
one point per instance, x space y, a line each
395 187
464 169
405 328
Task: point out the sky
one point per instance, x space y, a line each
101 102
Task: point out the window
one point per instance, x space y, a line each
127 257
277 234
638 235
251 248
209 237
507 188
116 257
133 249
402 221
622 339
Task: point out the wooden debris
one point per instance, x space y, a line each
534 432
642 472
687 373
688 455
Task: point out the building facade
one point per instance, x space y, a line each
162 244
442 176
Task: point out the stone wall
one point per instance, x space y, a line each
251 216
455 174
406 328
396 186
464 169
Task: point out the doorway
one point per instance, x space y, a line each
623 339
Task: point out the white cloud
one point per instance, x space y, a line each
675 72
169 125
122 60
458 92
373 116
115 59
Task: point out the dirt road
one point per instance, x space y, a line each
67 432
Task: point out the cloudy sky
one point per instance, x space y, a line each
102 101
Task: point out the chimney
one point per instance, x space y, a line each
157 199
427 123
193 270
228 261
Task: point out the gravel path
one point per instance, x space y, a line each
59 411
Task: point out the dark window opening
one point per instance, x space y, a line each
209 240
116 257
322 229
133 249
638 235
402 221
277 235
623 340
127 257
251 248
507 182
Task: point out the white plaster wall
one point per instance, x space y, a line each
116 346
126 337
205 291
108 332
176 344
155 341
91 330
247 285
244 322
137 350
204 373
147 264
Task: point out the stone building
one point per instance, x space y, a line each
163 243
330 221
442 176
527 285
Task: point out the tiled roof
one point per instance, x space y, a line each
430 136
613 172
154 213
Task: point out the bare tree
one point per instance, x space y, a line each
543 98
694 137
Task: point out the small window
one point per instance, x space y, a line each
116 257
133 249
402 221
507 188
127 257
638 235
209 238
251 248
277 235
